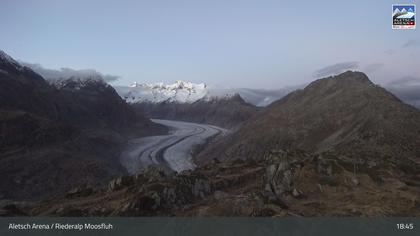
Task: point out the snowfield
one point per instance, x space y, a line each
173 150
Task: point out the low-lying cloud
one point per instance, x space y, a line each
372 67
336 69
407 89
66 73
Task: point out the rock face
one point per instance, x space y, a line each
54 139
347 114
278 177
225 112
280 174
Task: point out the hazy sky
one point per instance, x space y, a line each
261 44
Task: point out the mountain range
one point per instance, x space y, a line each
188 92
342 146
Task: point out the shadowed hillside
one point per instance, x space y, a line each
54 138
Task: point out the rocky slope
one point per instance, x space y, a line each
54 138
346 114
280 184
227 112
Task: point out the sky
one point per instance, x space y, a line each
231 43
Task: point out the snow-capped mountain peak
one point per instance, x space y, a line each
180 91
177 85
187 92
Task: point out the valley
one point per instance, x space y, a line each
341 146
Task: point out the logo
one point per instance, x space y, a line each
404 16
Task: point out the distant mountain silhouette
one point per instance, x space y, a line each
226 112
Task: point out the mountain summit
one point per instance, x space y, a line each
346 114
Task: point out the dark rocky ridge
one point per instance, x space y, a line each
52 138
225 112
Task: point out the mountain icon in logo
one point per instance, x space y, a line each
401 12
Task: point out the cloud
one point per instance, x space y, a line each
66 73
407 89
411 43
390 52
336 69
405 81
372 67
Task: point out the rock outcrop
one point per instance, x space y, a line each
282 183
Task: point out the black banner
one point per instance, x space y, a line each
209 226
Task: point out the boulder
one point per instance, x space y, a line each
81 191
120 182
324 166
155 173
278 177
